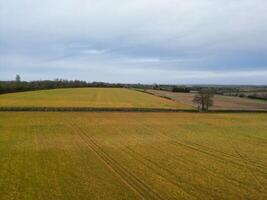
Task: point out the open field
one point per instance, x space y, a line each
132 156
220 102
87 97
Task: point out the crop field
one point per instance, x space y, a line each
87 97
220 102
132 156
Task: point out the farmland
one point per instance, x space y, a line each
87 97
220 102
132 156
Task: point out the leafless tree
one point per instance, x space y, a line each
204 99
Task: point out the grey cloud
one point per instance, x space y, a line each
89 39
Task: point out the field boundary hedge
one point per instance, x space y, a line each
150 93
103 109
93 109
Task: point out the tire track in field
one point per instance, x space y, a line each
137 156
131 180
233 156
235 182
130 152
226 156
184 162
223 159
213 152
251 171
230 155
215 175
175 142
242 162
123 174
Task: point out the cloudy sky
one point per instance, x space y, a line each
146 41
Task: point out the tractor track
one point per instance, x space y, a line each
223 158
132 181
211 172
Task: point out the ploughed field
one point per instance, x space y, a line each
87 97
220 102
104 155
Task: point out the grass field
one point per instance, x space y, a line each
87 97
220 102
132 156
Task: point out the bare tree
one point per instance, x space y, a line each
204 99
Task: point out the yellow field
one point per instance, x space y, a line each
87 97
132 156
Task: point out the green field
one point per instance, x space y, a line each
87 97
132 155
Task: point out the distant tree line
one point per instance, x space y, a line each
20 86
260 96
180 89
257 92
188 88
171 88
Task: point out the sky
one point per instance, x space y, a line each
135 41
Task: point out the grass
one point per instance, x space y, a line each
132 156
87 97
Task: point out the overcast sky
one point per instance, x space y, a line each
146 41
